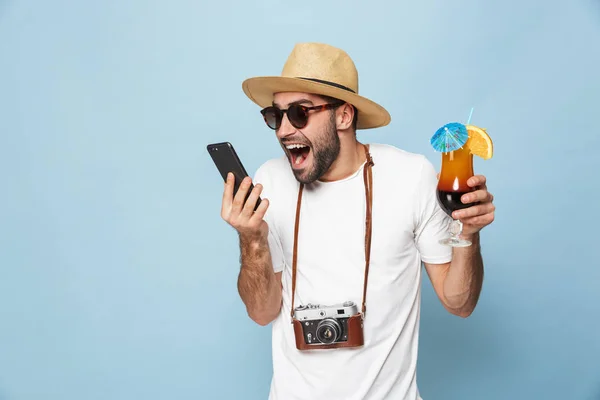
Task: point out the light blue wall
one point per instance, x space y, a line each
117 275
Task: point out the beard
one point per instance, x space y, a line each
325 150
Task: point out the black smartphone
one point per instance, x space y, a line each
227 160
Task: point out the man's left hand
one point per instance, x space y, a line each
480 215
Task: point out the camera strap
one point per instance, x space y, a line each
368 181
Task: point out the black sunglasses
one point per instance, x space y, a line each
297 114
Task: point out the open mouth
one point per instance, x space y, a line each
299 154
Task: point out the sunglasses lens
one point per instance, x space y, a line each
272 117
298 116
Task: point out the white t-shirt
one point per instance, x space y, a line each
407 224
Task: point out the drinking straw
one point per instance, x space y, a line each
470 115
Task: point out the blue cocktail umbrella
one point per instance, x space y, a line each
450 137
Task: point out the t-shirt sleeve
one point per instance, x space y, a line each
275 247
432 221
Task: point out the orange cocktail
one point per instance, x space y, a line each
457 168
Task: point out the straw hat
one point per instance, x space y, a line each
318 69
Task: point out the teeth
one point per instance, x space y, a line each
295 146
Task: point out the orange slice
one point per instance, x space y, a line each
479 142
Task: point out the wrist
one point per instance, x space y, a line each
472 237
252 240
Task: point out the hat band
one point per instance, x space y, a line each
337 85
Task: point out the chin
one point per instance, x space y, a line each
304 175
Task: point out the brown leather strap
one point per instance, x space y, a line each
295 254
368 178
368 181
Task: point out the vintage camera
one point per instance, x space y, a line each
326 327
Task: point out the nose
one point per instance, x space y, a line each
286 128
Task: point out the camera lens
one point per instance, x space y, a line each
328 330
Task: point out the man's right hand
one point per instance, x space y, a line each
242 217
258 286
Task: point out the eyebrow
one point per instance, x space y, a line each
301 101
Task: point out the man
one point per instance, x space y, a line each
328 252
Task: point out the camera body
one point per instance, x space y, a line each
328 326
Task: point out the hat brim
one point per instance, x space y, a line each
261 90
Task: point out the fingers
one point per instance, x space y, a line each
483 212
248 209
481 195
240 196
260 212
480 220
477 180
474 211
239 211
227 196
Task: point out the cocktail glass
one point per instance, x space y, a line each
457 168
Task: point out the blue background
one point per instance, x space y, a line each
117 275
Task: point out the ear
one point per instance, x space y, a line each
344 117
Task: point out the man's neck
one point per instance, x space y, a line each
351 157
